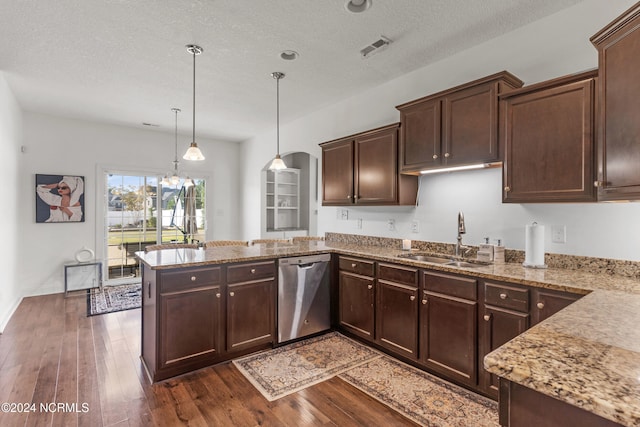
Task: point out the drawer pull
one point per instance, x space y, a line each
503 295
487 317
507 189
435 156
193 278
447 155
231 294
369 286
412 297
540 305
354 265
253 271
218 295
424 301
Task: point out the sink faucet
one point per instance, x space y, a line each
461 230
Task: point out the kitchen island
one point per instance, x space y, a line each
587 355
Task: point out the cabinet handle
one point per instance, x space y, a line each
412 297
435 156
503 296
447 155
597 183
540 305
348 196
193 278
149 289
353 265
507 189
487 317
231 294
218 295
253 271
369 286
424 301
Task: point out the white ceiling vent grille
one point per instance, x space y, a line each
377 46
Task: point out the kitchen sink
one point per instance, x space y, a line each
427 258
467 264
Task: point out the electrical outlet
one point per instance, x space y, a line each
415 226
391 224
345 214
559 233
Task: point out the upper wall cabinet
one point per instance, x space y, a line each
455 127
548 135
362 169
618 47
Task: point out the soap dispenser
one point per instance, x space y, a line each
485 251
498 252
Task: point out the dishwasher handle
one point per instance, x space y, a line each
306 266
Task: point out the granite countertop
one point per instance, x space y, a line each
587 355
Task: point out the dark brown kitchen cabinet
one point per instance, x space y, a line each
618 47
182 310
363 170
547 302
251 296
356 289
448 325
549 138
455 127
397 309
504 316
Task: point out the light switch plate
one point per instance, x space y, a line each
415 226
559 233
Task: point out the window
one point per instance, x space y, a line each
139 212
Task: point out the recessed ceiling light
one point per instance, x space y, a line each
357 6
289 55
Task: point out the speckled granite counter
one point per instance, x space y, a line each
587 355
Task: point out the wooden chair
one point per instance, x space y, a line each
216 243
253 242
307 238
171 246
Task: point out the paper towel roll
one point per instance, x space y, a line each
534 246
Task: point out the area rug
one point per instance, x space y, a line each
113 298
287 369
421 397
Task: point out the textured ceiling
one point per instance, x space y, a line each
125 62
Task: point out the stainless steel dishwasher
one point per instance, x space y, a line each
303 296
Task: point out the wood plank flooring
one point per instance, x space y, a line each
51 353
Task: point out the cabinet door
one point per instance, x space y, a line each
356 299
420 136
547 303
470 126
250 314
549 144
496 328
376 173
337 173
190 327
397 318
619 128
448 336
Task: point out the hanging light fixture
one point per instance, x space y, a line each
277 163
194 153
174 179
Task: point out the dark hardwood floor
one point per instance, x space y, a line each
86 371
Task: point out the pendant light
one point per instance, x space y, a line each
277 163
194 153
174 179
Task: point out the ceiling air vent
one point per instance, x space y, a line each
375 47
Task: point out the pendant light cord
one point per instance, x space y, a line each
194 97
278 115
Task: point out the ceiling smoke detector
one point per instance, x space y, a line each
377 46
357 6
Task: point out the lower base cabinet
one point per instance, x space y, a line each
250 318
448 319
356 296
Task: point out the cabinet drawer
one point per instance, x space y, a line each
189 278
355 265
398 274
506 296
250 271
454 286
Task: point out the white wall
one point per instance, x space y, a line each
60 146
552 47
10 141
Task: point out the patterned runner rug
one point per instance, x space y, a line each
287 369
113 298
421 397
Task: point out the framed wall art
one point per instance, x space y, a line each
59 198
